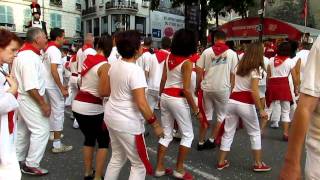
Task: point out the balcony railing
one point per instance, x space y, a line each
122 5
57 3
7 26
78 6
89 10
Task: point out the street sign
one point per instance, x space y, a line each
156 33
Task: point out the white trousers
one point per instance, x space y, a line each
10 171
312 166
57 109
218 102
280 111
174 108
123 148
153 98
32 132
247 113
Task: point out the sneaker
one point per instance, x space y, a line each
223 166
207 145
36 171
274 125
75 124
185 176
51 138
62 149
91 176
262 168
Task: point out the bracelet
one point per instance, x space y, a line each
196 113
152 119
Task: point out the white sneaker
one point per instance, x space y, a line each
52 136
274 125
75 124
63 148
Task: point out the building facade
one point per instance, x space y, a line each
65 14
110 16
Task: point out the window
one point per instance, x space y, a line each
57 3
78 5
6 15
89 26
140 25
96 27
55 20
78 24
120 22
104 24
27 16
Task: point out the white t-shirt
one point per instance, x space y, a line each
244 83
121 112
53 56
282 70
155 73
82 55
311 86
29 72
144 61
114 55
303 55
217 71
90 84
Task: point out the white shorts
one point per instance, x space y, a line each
280 111
216 101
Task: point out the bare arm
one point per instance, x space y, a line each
255 93
299 127
163 79
40 101
298 71
232 80
295 80
268 72
200 72
104 81
186 74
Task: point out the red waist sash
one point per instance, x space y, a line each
242 96
175 92
278 89
88 98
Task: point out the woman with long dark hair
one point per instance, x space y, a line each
242 104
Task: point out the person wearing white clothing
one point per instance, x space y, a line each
243 102
125 110
278 87
56 91
306 124
217 64
177 101
9 166
34 110
114 55
146 57
301 60
156 67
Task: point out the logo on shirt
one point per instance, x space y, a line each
219 60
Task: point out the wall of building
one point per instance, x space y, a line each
68 13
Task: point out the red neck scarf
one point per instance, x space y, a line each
86 46
51 43
29 46
145 50
91 61
174 61
73 58
195 57
278 60
219 48
162 55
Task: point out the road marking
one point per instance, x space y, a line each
187 166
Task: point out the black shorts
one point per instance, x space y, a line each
93 129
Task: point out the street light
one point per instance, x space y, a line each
261 14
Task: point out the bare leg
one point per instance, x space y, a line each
183 152
257 157
285 128
202 134
87 157
160 157
215 130
222 156
101 157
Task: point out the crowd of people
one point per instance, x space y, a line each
115 84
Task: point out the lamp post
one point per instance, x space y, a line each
261 14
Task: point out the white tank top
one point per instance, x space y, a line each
174 76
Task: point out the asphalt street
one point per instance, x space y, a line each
69 166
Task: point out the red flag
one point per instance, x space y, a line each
304 13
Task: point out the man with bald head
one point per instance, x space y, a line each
34 110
